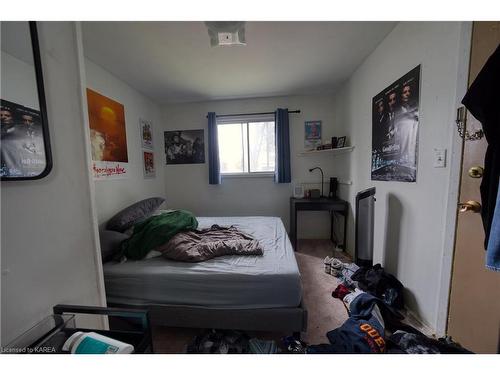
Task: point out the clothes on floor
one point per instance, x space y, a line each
348 282
381 284
342 271
294 345
349 269
257 346
493 250
219 342
340 291
417 343
482 100
229 342
348 298
363 332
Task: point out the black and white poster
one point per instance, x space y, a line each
395 130
23 148
185 147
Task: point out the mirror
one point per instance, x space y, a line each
24 141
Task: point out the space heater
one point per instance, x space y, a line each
365 210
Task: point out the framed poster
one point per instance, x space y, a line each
108 137
22 140
185 147
146 129
395 130
312 133
149 164
25 141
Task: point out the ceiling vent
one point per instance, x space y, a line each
226 33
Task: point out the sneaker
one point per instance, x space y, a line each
336 267
327 263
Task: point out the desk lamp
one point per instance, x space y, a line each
322 178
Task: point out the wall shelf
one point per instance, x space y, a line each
334 151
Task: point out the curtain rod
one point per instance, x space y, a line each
255 114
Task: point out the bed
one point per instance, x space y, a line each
229 292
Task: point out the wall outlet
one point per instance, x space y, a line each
439 158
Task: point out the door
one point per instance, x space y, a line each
474 310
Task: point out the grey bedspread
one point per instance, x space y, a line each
200 245
228 282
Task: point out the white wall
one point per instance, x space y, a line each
187 185
48 243
410 218
113 195
18 83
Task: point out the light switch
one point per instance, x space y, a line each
439 158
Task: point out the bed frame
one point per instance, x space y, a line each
282 319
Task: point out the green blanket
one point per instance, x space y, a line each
156 231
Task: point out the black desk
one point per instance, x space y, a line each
317 204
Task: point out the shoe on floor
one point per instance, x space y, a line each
327 263
336 267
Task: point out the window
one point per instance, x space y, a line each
246 146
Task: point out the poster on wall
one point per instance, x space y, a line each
146 129
22 142
312 133
149 164
108 137
395 130
185 147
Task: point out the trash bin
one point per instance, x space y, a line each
365 209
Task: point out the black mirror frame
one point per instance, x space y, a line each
43 107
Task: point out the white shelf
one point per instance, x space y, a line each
334 151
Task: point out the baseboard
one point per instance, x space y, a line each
412 319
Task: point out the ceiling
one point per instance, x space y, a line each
173 62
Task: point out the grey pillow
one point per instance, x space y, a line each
110 243
133 214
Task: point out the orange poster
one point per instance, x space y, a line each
108 136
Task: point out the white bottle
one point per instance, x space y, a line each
94 343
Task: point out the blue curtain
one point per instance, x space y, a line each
213 150
282 173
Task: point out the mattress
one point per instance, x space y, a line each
228 282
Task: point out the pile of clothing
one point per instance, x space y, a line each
342 271
363 332
373 280
417 343
374 299
229 342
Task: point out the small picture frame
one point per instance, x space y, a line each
149 164
341 142
298 191
312 133
146 129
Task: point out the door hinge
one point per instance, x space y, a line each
461 121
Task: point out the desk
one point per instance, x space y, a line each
317 204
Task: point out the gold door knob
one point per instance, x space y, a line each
471 206
476 172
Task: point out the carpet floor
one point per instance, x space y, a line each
324 312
